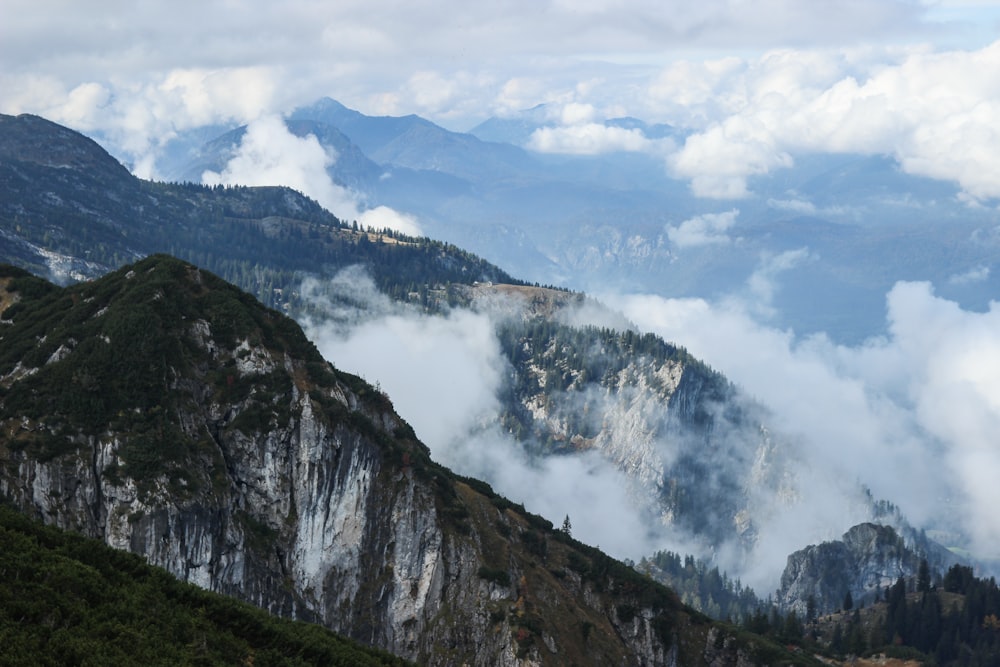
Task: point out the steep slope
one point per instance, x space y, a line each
67 600
866 561
68 210
165 412
695 449
683 433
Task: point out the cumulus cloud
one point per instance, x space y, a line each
269 154
137 79
931 111
706 229
910 415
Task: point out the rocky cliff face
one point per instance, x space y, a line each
167 413
866 561
693 447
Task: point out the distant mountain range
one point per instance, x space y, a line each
603 222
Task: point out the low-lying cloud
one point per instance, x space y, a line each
911 415
701 230
589 139
269 154
443 375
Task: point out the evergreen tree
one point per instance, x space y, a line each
924 577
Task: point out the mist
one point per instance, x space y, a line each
911 415
908 416
443 375
269 154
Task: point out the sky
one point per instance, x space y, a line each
755 82
752 86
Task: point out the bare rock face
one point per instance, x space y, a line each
190 425
867 560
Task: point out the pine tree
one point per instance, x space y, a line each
924 577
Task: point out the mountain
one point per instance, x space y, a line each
867 560
66 599
703 469
610 220
352 169
70 211
415 143
165 412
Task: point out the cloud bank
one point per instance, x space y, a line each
910 415
443 375
907 79
933 112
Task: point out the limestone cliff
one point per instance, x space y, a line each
865 562
169 414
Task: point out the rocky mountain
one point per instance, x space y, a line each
697 454
70 600
165 412
865 562
617 218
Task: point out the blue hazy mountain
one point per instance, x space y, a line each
610 221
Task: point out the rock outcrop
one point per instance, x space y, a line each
865 562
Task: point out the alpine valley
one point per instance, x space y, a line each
156 394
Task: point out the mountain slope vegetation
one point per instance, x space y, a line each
696 451
66 599
165 412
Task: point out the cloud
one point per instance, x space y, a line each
450 61
706 229
588 139
911 415
976 274
444 374
269 154
931 111
382 217
763 283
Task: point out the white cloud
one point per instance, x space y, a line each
763 283
976 274
913 416
706 229
589 139
933 112
269 154
381 217
443 375
451 61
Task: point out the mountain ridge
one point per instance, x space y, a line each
661 418
222 447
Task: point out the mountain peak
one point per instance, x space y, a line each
30 138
